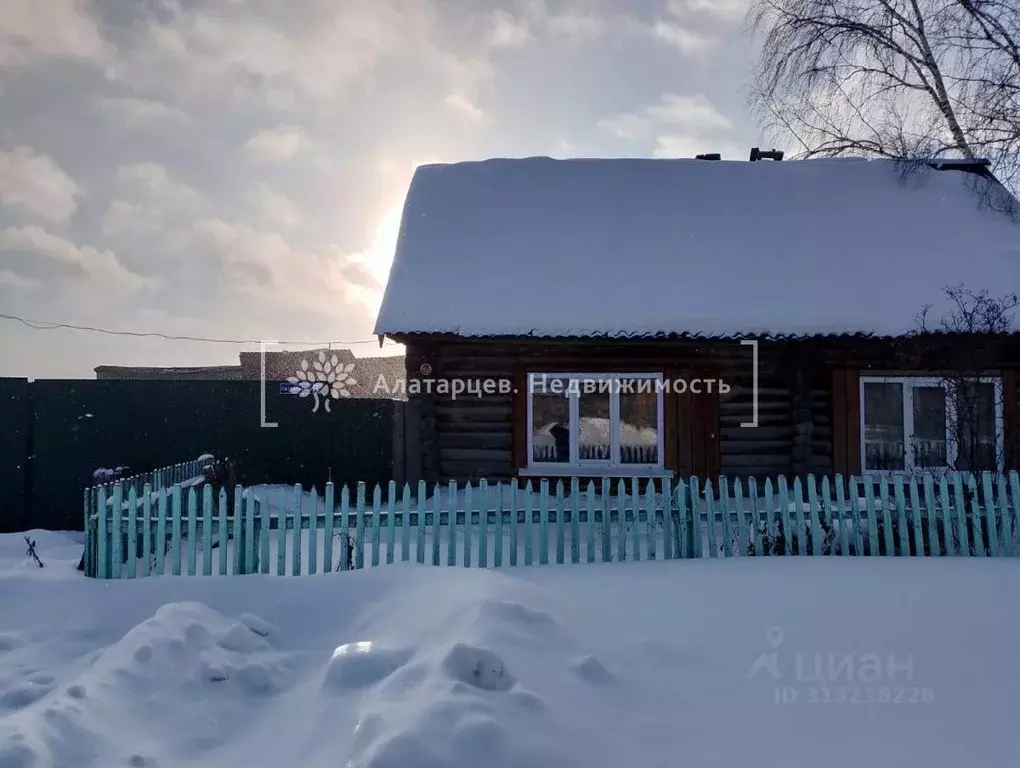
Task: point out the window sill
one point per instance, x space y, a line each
580 471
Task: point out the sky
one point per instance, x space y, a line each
236 169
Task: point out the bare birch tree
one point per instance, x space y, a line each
892 78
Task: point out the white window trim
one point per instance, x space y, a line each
596 468
909 383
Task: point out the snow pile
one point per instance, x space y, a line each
791 662
449 699
536 246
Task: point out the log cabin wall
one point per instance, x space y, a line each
808 409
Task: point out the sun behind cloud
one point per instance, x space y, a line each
377 258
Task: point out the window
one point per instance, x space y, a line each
912 423
595 423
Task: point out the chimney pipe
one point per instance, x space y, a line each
757 154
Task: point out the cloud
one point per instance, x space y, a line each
677 126
274 206
36 30
131 111
682 25
509 31
728 10
123 218
155 182
686 40
695 112
535 21
33 181
277 144
71 260
276 54
12 279
465 107
267 269
681 145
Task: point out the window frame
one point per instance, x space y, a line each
909 383
590 467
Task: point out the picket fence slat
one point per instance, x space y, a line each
405 526
932 515
692 499
345 527
1014 491
816 527
376 532
483 523
514 530
991 514
764 541
207 530
543 536
1004 513
313 512
976 518
223 532
469 510
928 489
147 537
451 547
952 543
575 523
436 509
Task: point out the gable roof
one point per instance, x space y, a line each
628 247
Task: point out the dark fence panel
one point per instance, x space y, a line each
15 448
82 425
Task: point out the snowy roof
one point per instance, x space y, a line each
629 247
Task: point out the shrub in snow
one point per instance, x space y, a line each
105 475
219 475
779 542
351 553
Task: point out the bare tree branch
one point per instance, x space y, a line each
892 78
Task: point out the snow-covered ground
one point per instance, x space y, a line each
777 662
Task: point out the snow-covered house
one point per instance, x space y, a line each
619 317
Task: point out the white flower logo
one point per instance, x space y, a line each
329 378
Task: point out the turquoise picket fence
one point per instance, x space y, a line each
163 477
288 531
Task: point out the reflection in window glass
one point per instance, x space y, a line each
595 438
975 404
639 433
550 424
883 426
929 439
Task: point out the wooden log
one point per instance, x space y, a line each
477 469
448 439
474 454
747 447
459 413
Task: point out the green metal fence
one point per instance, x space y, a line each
287 531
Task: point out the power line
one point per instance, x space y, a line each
43 325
